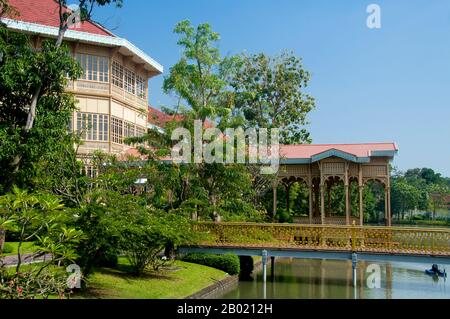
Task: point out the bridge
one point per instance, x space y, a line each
395 244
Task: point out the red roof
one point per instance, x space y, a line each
159 118
46 12
359 150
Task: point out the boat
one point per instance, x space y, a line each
435 271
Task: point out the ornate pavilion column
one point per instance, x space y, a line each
310 202
388 183
347 196
322 204
385 205
288 190
361 189
274 185
322 196
361 205
310 190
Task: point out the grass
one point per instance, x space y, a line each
27 248
178 281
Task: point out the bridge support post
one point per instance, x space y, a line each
272 268
354 268
264 264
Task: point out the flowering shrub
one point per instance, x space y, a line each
29 285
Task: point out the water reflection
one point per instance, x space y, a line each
307 279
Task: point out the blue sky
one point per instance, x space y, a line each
370 85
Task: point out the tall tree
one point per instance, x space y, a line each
270 94
198 79
199 82
32 86
44 75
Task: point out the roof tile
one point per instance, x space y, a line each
46 12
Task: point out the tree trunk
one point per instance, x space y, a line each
2 239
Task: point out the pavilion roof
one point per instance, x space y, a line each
362 152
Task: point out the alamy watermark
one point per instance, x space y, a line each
74 279
211 145
374 18
74 19
373 280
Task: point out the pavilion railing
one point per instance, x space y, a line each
400 240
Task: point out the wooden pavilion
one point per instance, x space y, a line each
320 167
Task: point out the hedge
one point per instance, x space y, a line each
228 263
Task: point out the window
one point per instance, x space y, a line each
117 130
103 125
70 124
130 82
117 74
140 87
95 68
103 71
140 131
129 129
126 79
90 171
93 127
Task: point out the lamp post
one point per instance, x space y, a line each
142 182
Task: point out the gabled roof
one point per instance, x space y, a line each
360 153
42 17
45 12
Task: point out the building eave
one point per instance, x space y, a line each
83 37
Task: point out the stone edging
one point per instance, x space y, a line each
215 288
220 286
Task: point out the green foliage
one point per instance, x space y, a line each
40 218
284 216
7 248
97 220
21 72
115 223
198 78
270 94
145 237
32 284
228 263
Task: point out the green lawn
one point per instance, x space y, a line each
181 280
27 248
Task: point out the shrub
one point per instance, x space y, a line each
7 248
109 258
148 234
283 216
228 263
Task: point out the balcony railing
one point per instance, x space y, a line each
400 240
104 88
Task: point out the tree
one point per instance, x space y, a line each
437 197
6 9
404 198
199 78
39 218
19 73
46 73
270 94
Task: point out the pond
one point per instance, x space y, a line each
315 279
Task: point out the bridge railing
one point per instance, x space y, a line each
407 240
